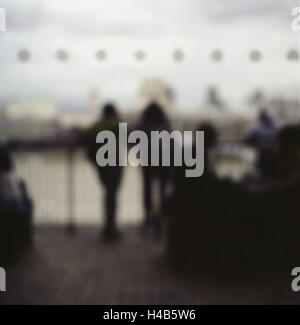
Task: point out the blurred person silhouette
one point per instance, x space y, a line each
283 162
287 160
273 204
154 119
210 140
16 208
264 139
202 210
109 176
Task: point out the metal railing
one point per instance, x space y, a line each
66 190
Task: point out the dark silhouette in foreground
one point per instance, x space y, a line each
249 228
16 209
109 176
154 119
272 205
200 210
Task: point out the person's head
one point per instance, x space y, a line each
109 111
265 118
154 114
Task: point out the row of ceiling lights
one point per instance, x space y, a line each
62 55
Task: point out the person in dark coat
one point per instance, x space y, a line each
109 176
202 213
154 119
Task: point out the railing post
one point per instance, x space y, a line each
71 227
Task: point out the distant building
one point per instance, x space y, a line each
48 111
35 109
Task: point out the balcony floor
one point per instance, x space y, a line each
81 269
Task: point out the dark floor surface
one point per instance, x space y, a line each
81 269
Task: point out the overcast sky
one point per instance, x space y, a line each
158 27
